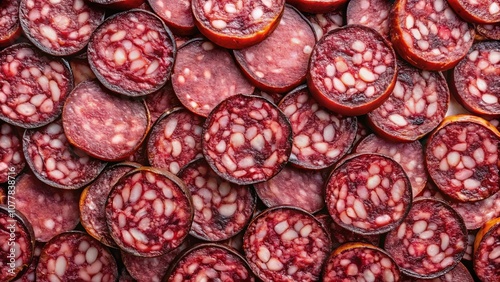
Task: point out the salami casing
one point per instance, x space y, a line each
483 12
487 251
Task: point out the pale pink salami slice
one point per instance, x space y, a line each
12 159
481 12
161 101
176 14
323 23
10 28
487 251
371 13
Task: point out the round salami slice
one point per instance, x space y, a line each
368 194
246 139
491 31
176 14
487 251
30 274
286 244
10 28
12 159
320 137
81 70
132 53
75 256
237 25
370 13
462 158
317 6
161 101
268 65
340 235
352 70
428 34
430 241
59 27
204 75
103 125
221 209
175 140
360 262
149 212
118 4
475 80
33 86
482 12
17 243
323 23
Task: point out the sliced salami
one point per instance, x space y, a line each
459 273
487 251
469 252
204 75
81 70
482 12
271 96
12 159
246 139
33 86
323 23
491 31
139 155
352 70
10 28
176 14
103 125
317 6
161 101
370 13
118 4
30 274
340 235
361 133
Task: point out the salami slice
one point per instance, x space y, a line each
487 251
204 75
323 23
132 53
12 159
33 86
370 13
237 25
176 14
175 140
491 31
317 6
75 256
352 70
459 273
161 101
360 262
118 4
482 12
149 212
103 125
10 28
462 158
268 65
475 79
30 275
81 70
246 139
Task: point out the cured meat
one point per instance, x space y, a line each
286 244
237 25
55 162
462 158
370 13
340 235
149 212
118 4
17 243
75 256
175 140
210 262
12 159
409 155
139 155
469 252
268 65
204 75
459 273
368 194
103 125
125 276
93 202
475 79
221 209
161 101
491 31
317 6
132 53
81 70
9 22
246 139
484 12
416 106
3 195
430 241
352 70
428 34
235 242
320 137
360 262
30 274
361 133
323 23
33 86
273 97
487 251
59 27
50 211
176 14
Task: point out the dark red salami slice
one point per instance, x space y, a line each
481 12
475 80
352 70
462 158
487 251
103 125
246 139
175 140
149 212
59 27
33 86
286 244
132 53
370 13
430 241
323 23
75 256
30 275
491 31
176 14
409 155
360 262
204 75
268 65
237 25
320 137
12 159
9 21
161 101
81 70
317 6
118 4
221 209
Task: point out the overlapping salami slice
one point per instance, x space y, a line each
487 251
246 139
317 6
105 126
323 23
371 13
482 12
237 25
462 158
118 4
352 70
12 159
132 53
10 28
30 274
491 31
176 14
81 70
268 65
161 101
33 86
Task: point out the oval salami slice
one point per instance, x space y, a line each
12 159
491 31
118 4
317 6
10 28
246 139
340 235
487 251
482 12
370 13
30 274
176 14
323 23
352 70
33 86
161 101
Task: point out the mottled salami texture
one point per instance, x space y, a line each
9 22
487 251
161 101
81 70
317 6
481 12
370 13
176 14
323 23
340 235
12 159
30 274
491 31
